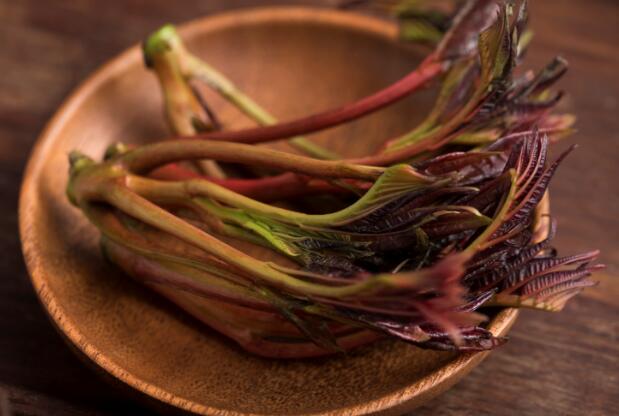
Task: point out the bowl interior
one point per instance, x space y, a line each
294 62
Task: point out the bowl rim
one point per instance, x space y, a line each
423 389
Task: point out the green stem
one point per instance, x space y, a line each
192 189
150 156
482 242
185 113
197 68
151 214
167 42
417 140
182 276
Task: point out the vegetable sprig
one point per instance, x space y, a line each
427 295
438 223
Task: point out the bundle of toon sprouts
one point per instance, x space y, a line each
410 242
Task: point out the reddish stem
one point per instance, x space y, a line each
416 79
270 188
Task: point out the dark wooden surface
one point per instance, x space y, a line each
563 364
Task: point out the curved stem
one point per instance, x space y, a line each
185 112
182 277
396 181
271 188
195 189
151 214
150 156
459 41
483 241
416 79
197 68
165 52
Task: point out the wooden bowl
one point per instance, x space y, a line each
294 61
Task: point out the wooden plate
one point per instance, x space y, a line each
294 61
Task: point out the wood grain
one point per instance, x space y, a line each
555 364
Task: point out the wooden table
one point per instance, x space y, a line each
563 364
